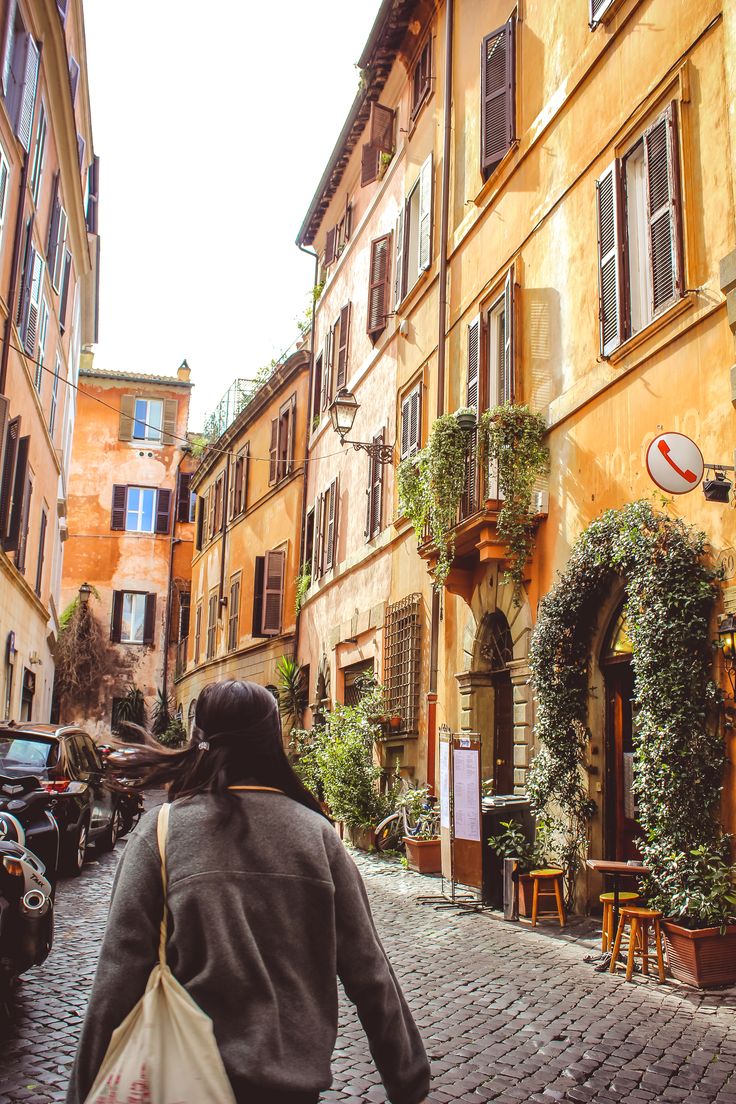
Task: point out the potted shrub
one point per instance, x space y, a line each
423 845
512 843
696 892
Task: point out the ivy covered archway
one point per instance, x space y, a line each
679 756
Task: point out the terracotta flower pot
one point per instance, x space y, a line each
394 722
423 856
703 957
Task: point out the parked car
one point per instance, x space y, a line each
69 767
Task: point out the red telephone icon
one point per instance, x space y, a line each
687 475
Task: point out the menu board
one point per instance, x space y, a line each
444 784
466 776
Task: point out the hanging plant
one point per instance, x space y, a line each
512 437
678 757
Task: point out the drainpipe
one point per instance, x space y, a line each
305 466
442 324
167 616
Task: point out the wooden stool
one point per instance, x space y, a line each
606 899
639 920
547 883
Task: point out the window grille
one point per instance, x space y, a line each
357 678
402 639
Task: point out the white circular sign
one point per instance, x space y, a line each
675 463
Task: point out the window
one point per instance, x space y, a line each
421 77
147 422
378 286
184 497
15 458
4 186
500 332
73 78
233 619
326 530
498 96
640 234
133 616
26 493
317 392
355 680
411 422
19 74
198 633
57 238
414 234
401 669
337 236
374 493
41 552
274 569
598 9
141 509
281 452
43 325
134 613
201 521
54 395
147 419
211 625
38 154
309 540
31 288
218 518
380 141
182 631
239 486
93 176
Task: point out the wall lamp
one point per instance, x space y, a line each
343 409
84 592
718 487
727 644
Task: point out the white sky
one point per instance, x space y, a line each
213 123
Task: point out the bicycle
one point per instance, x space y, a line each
416 815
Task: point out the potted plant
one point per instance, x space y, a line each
423 845
697 894
512 843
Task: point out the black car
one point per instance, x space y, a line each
69 767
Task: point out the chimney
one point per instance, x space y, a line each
183 372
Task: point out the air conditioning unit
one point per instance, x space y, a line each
541 502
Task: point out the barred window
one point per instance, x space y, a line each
402 658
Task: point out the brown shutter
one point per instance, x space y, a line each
116 623
331 352
4 407
66 280
26 280
317 560
198 633
378 285
342 352
405 421
15 521
211 508
509 339
257 629
53 238
171 409
348 219
273 459
375 492
472 394
498 109
381 128
273 592
325 372
663 210
163 510
330 246
183 495
127 416
12 436
370 163
426 187
399 267
41 553
331 526
415 420
290 435
149 619
20 556
119 502
611 259
201 510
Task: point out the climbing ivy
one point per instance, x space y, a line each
678 756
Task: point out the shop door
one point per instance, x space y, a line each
620 828
503 733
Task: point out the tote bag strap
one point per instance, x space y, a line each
162 832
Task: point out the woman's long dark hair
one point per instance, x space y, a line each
236 739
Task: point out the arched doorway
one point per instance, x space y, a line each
497 651
620 828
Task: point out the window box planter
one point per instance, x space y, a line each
423 856
703 957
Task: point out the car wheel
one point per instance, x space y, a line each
112 833
76 850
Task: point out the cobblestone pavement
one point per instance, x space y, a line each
508 1014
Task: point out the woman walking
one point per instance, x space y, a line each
266 909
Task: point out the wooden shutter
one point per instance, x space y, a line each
15 520
257 629
611 258
127 417
183 495
62 6
324 373
331 508
318 536
399 271
25 75
273 592
330 246
375 492
348 220
116 623
331 353
198 633
663 209
29 322
596 10
163 510
119 503
25 511
93 176
405 422
10 458
7 50
73 78
66 280
378 285
498 108
370 164
244 479
381 128
415 420
26 278
472 391
201 510
54 218
291 414
509 341
171 409
210 513
149 619
4 407
41 553
342 352
425 214
273 462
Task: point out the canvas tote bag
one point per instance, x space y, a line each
164 1051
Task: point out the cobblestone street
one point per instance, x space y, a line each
507 1014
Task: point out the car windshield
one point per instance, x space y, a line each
26 751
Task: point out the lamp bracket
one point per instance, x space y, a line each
382 454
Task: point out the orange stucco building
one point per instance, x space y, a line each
555 227
249 489
130 532
48 306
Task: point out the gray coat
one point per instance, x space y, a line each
266 910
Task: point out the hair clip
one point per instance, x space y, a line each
203 745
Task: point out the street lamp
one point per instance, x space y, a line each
727 643
343 409
84 592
